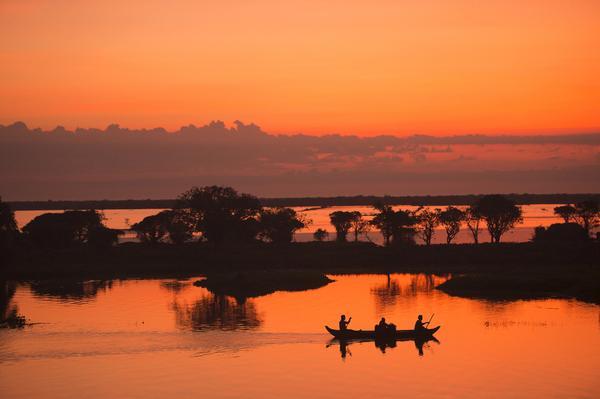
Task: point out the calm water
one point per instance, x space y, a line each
158 338
533 215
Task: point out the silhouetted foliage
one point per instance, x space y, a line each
359 225
587 214
180 227
9 231
342 222
428 221
62 230
396 227
8 224
500 214
561 233
152 229
567 212
451 218
103 237
279 225
320 235
172 224
221 214
473 219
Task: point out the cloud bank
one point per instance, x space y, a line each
119 163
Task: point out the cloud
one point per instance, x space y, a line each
153 163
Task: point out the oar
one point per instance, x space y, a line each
431 318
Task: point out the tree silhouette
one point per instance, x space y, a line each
472 220
567 212
180 226
8 223
62 230
384 221
560 233
500 214
279 225
342 222
587 214
359 225
320 235
396 227
451 218
103 237
428 221
221 214
9 231
152 229
171 224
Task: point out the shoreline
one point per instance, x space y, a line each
317 201
487 271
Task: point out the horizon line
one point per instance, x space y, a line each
236 123
322 198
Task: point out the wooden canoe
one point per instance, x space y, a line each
370 334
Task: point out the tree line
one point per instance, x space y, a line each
220 215
579 221
400 227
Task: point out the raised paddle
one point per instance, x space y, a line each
431 318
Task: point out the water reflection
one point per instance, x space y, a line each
99 343
9 312
70 290
388 294
175 286
381 345
217 312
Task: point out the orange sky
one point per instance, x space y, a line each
363 67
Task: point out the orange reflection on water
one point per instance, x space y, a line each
155 338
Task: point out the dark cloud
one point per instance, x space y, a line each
152 163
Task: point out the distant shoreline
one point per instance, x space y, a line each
357 200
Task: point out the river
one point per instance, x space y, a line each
156 338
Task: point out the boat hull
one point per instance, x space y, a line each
370 334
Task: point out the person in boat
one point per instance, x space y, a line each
344 323
391 328
381 327
419 325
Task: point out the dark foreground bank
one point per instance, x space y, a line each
495 271
134 259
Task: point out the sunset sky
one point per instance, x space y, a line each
350 67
